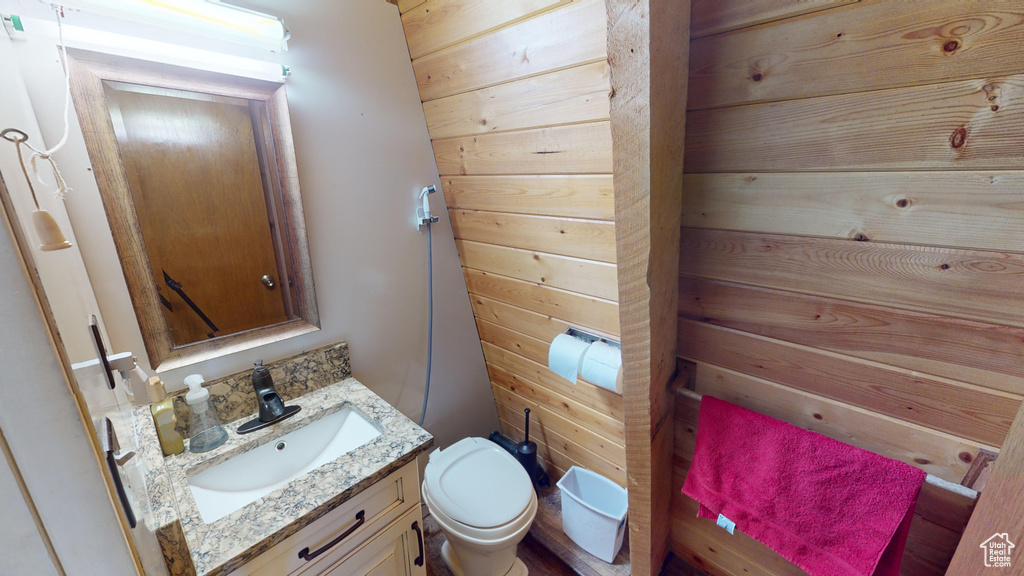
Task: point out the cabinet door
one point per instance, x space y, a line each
380 505
393 552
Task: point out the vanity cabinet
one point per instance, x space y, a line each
371 533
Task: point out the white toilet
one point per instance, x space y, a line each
484 502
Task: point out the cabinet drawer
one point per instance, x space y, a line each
364 514
394 551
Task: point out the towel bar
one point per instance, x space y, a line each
930 479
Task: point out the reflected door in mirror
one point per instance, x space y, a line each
197 178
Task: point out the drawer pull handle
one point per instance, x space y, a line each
419 538
360 518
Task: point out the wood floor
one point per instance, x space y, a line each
538 559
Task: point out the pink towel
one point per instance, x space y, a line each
828 507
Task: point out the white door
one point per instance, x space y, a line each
49 447
40 416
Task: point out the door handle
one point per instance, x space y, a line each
267 280
110 446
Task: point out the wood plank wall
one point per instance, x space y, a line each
516 102
852 247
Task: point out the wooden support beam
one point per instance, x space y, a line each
406 5
999 510
648 50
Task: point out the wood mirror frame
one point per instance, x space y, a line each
89 71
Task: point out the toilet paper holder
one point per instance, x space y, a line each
590 337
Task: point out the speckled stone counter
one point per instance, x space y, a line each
222 546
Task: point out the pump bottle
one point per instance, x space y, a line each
162 410
205 429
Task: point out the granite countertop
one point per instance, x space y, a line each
224 545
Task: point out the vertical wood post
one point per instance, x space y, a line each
1000 511
648 52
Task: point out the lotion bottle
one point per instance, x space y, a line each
205 429
162 409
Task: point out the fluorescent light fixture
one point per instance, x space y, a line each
164 52
201 17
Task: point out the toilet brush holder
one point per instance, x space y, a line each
526 451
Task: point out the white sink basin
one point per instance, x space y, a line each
248 477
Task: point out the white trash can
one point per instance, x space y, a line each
593 512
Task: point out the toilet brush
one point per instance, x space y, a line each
526 451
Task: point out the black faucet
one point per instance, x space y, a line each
270 403
271 406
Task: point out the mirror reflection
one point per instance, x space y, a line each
198 179
196 167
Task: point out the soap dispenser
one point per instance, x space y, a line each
162 409
205 429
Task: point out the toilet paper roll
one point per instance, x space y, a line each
602 366
565 356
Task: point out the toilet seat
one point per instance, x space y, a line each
482 536
476 484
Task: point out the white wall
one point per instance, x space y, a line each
363 155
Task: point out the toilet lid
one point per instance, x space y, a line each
478 483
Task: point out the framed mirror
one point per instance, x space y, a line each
197 175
